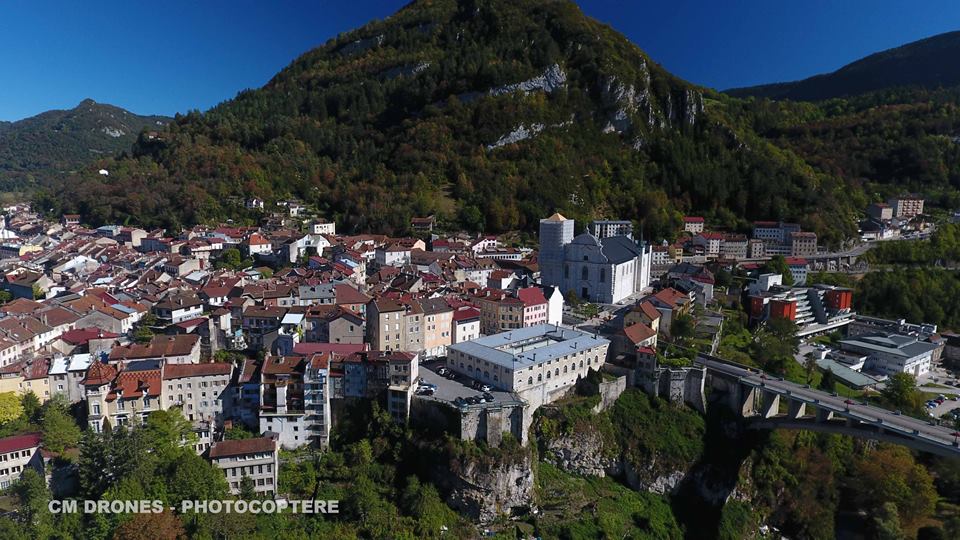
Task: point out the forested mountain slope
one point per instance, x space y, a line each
490 114
53 143
928 64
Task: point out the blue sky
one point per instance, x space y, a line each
176 55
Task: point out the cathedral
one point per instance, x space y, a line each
605 270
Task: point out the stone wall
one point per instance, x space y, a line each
677 385
474 423
489 423
609 392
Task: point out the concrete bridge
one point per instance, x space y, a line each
769 402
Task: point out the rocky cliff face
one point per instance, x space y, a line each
581 452
585 453
485 489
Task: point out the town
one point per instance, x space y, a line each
277 329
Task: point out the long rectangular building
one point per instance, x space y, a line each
539 363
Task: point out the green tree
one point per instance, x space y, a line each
190 477
900 392
60 431
828 383
422 502
32 498
810 367
775 344
247 489
166 432
886 523
778 265
11 530
11 407
682 328
230 258
31 406
238 432
143 334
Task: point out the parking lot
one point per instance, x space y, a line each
450 389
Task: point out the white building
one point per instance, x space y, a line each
539 363
17 453
255 458
554 305
66 375
892 353
198 389
607 228
907 207
606 270
466 324
319 227
395 255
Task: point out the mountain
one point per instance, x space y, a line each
55 142
490 114
929 63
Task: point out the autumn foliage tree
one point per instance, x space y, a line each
890 475
148 526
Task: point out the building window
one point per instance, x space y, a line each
583 273
603 275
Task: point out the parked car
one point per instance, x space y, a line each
442 371
425 391
489 396
484 388
472 400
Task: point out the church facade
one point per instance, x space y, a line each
603 270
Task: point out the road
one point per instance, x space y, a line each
868 414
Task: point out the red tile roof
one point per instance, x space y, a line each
346 294
136 384
243 446
159 347
180 371
19 442
647 309
99 374
639 332
531 296
82 336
